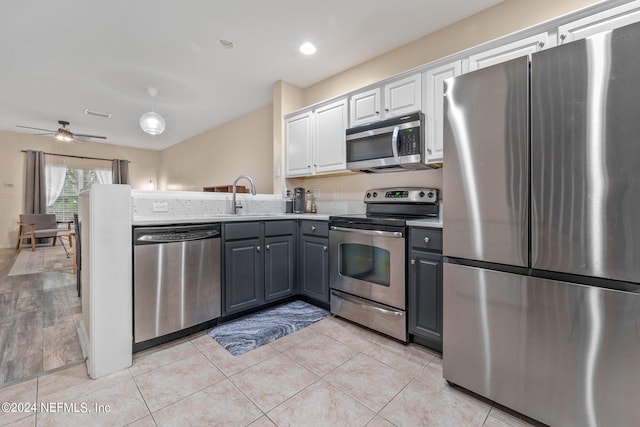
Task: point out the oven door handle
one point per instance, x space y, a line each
380 233
369 306
394 143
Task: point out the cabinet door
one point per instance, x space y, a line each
434 86
314 268
298 145
425 296
244 275
329 152
365 107
604 21
279 261
509 51
402 97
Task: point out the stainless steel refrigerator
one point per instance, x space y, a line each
542 232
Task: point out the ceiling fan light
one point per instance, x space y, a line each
63 135
152 123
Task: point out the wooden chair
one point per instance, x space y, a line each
35 226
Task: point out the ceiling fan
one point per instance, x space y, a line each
63 134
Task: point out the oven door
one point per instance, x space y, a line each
369 264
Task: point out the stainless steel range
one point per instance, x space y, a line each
368 258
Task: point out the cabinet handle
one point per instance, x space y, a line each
258 248
325 248
413 262
313 228
386 109
563 36
268 247
377 112
309 166
426 240
429 150
540 45
315 166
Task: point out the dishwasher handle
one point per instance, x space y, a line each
171 237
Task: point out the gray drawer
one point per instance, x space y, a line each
242 230
426 239
278 228
315 228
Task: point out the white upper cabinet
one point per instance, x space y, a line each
365 107
298 145
608 20
509 51
398 97
315 140
434 107
402 96
329 148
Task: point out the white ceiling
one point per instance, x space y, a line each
58 58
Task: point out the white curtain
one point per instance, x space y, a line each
54 181
105 176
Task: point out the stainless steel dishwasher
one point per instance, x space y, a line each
176 279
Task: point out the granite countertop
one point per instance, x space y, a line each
202 219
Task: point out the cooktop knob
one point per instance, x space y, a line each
421 194
368 195
375 194
430 194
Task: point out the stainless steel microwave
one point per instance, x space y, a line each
387 146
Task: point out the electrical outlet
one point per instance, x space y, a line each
160 207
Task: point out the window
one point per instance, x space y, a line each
66 177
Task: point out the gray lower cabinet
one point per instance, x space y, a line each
425 286
259 263
314 260
279 267
244 275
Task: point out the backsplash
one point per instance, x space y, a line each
198 205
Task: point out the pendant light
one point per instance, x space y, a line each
152 122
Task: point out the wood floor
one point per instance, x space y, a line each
39 315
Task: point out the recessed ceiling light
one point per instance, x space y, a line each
227 44
307 48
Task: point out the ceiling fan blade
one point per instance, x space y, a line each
89 136
29 127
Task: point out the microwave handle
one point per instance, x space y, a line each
394 143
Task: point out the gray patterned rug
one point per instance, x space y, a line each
250 332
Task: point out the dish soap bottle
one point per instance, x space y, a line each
309 202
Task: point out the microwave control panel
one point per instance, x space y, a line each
409 142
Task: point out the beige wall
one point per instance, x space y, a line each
144 167
503 19
243 146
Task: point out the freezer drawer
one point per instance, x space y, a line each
561 353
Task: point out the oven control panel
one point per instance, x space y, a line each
402 195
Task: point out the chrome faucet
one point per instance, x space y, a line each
235 206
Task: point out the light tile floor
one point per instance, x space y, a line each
332 373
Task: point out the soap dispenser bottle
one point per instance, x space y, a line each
308 202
